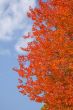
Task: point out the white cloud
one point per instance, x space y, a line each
13 17
22 43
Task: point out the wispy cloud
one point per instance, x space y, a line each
13 17
23 42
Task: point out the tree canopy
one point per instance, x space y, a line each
49 77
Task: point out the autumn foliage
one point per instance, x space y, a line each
49 77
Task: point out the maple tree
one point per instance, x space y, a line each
49 77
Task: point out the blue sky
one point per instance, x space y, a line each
13 24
